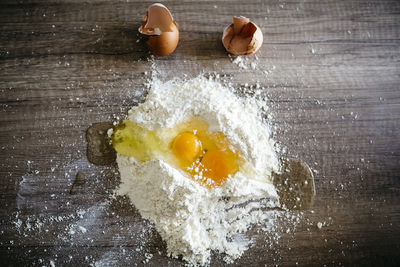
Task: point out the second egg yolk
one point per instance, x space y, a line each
217 165
186 147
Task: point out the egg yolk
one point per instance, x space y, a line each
206 156
186 147
217 166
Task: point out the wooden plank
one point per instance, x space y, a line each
330 69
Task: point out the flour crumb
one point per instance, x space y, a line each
148 257
245 63
240 62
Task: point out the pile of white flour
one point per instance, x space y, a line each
194 220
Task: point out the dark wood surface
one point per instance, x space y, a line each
331 70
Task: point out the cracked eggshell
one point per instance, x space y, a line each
165 43
242 37
162 32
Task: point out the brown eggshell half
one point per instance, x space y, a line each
158 19
242 37
165 43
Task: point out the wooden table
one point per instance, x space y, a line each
330 69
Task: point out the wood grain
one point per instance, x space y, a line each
331 70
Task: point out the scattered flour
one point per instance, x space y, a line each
194 220
108 259
245 62
191 213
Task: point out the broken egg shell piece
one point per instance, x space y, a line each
165 43
239 23
242 37
162 32
158 19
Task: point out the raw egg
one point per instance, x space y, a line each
205 156
161 30
186 146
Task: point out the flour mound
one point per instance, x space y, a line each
192 219
237 118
